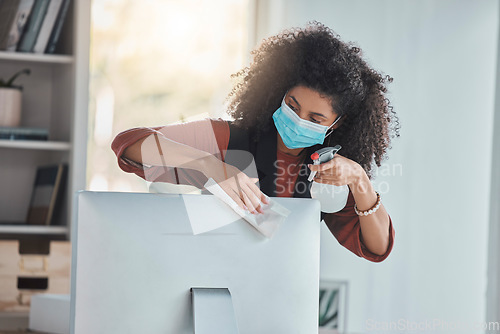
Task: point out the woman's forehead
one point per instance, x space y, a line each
311 100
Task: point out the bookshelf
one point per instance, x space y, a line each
13 230
55 96
35 58
36 145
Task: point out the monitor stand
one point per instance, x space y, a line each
213 311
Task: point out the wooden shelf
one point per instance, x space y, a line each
33 229
36 58
35 145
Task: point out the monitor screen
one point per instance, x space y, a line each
135 260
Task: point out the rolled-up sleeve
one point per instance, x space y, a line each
209 135
123 140
346 228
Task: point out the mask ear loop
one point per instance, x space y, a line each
330 128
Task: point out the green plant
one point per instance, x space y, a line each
328 311
10 82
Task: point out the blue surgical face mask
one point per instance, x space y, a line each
297 132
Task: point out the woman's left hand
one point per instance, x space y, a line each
339 171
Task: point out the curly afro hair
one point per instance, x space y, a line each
315 57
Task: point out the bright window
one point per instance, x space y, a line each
155 62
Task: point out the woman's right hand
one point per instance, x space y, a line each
239 186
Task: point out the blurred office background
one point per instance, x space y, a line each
157 62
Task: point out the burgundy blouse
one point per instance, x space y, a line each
212 135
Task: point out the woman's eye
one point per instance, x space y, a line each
295 110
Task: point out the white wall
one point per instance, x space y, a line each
442 56
493 290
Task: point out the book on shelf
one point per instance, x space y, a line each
46 196
58 27
11 133
19 23
32 25
8 10
35 21
47 26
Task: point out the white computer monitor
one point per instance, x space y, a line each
135 259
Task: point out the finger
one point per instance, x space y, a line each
251 206
329 180
327 165
253 192
323 166
260 195
327 172
253 197
235 197
238 181
318 179
241 193
323 180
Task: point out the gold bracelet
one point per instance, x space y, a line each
371 210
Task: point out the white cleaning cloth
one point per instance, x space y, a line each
202 220
266 223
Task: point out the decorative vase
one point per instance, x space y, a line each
10 107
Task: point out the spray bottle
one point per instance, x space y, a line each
332 198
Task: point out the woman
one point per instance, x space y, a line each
304 90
